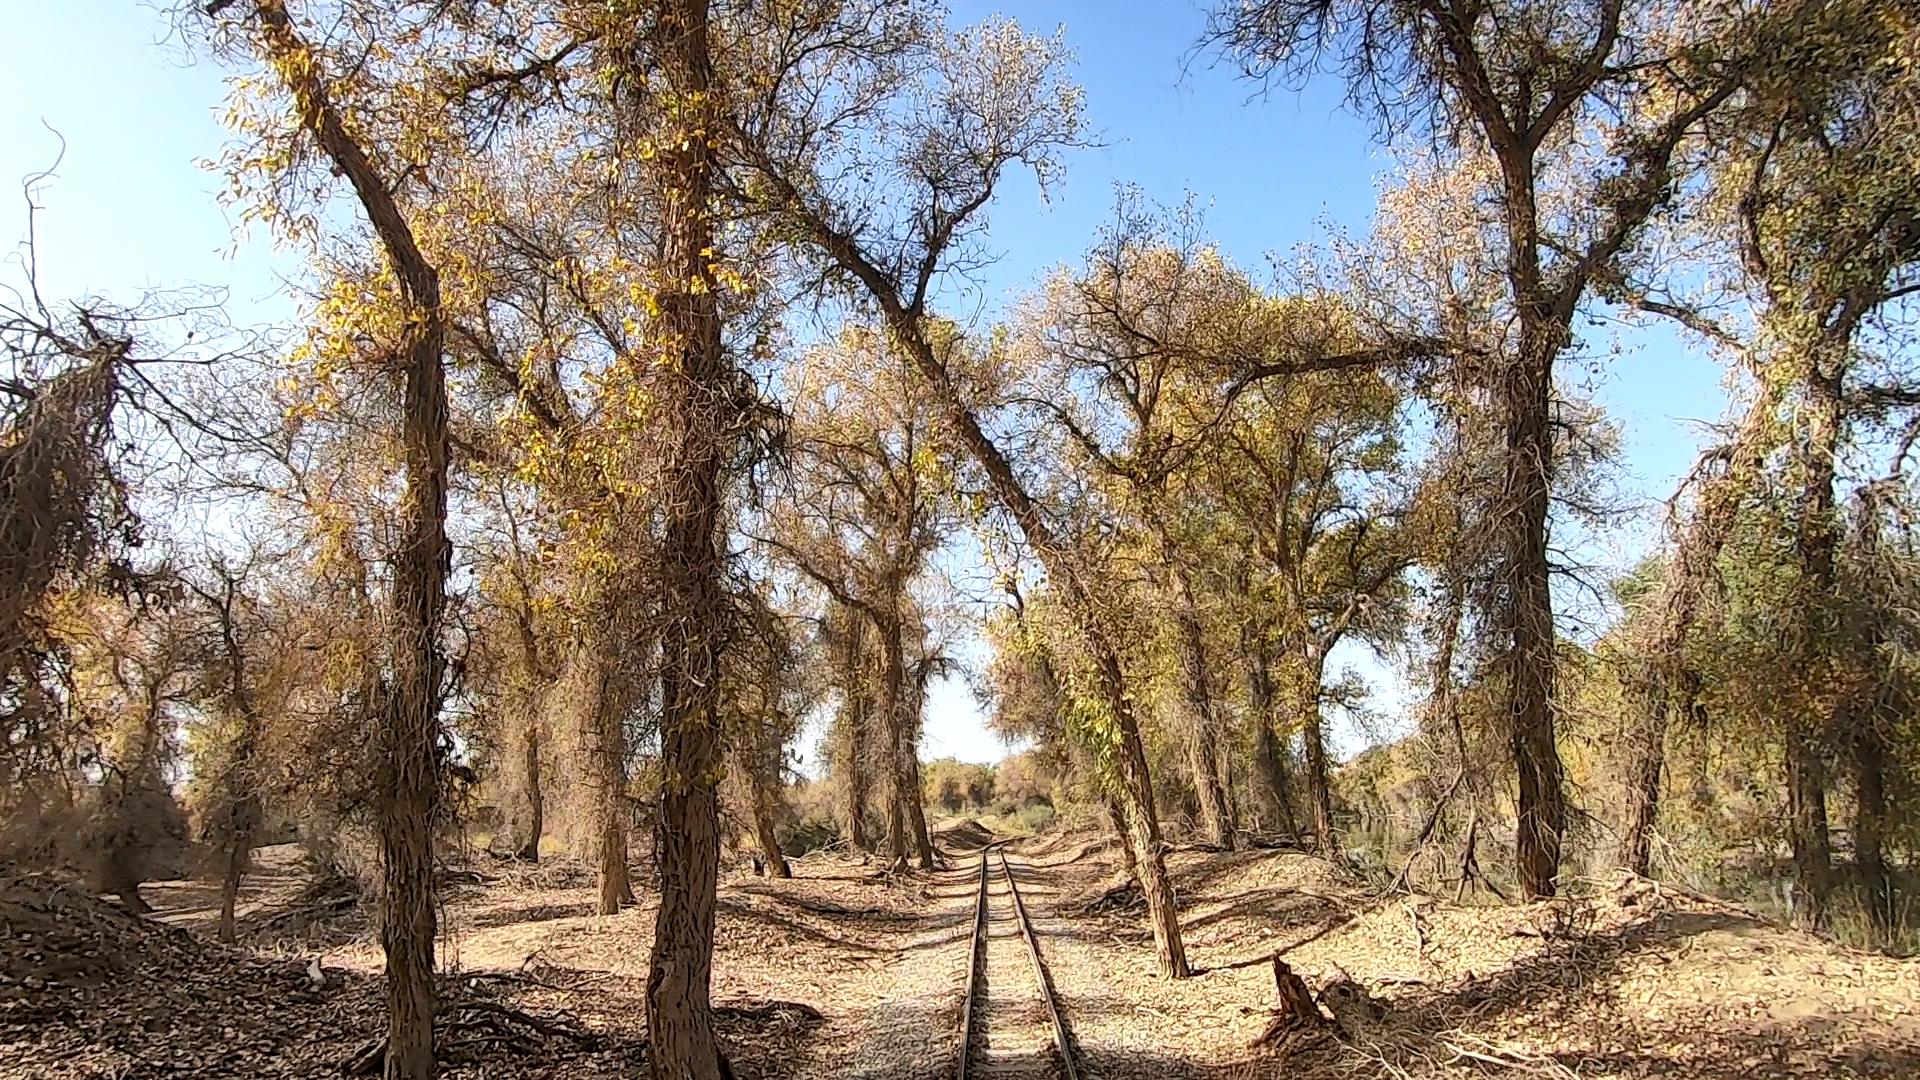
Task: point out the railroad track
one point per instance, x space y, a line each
978 1058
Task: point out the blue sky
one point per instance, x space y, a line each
130 208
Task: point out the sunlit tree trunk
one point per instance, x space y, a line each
409 773
910 758
606 743
887 705
1202 721
1816 543
1525 392
692 417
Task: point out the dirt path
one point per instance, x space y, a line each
846 971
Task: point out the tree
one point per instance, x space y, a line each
1308 470
410 699
1583 112
865 516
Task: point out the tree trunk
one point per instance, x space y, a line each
1319 782
1526 399
1314 745
765 807
1202 722
856 766
1117 818
1137 796
610 808
536 799
1870 752
243 822
409 770
1643 785
1817 544
602 737
1272 788
887 705
532 701
916 795
1807 829
855 724
693 416
237 855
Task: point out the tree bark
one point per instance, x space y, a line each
1817 544
1870 752
1117 818
1526 398
854 723
409 774
1202 721
694 397
887 704
1313 661
916 794
856 766
1272 788
607 730
762 787
533 682
1319 782
536 798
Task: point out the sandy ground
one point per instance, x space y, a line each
844 971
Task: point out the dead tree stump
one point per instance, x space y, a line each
1296 1016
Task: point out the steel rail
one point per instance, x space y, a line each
973 965
1060 1039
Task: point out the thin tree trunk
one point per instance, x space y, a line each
536 798
531 703
409 771
1228 752
1870 752
916 794
1673 681
1319 782
688 329
609 750
765 806
887 704
244 816
239 849
857 770
1202 721
1526 398
1314 743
